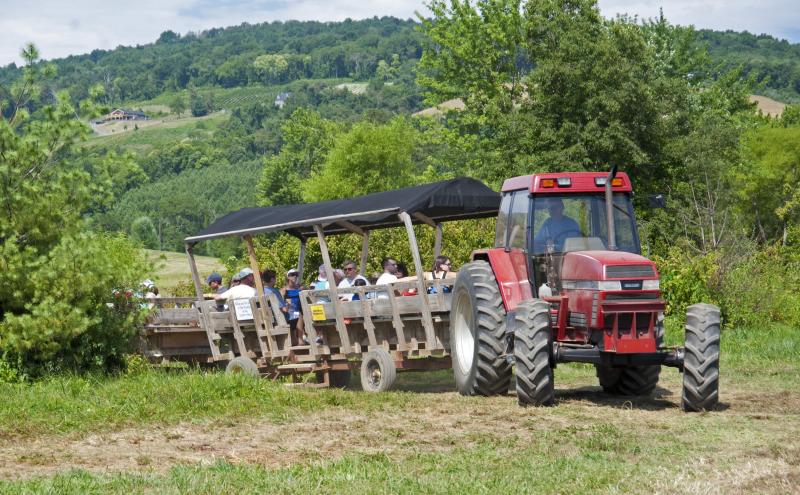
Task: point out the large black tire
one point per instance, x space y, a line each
242 364
632 380
477 332
701 361
378 371
533 344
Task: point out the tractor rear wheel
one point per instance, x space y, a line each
701 361
477 332
632 380
533 344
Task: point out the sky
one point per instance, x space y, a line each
60 28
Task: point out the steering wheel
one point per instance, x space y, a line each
559 239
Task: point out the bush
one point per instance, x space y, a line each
764 288
687 279
66 321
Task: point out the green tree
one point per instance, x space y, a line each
307 139
368 158
177 104
56 277
272 67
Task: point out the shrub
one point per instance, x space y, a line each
764 288
687 279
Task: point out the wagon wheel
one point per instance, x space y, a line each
243 365
378 371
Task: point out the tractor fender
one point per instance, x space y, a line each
511 272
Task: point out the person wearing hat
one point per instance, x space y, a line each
214 281
245 289
150 292
557 228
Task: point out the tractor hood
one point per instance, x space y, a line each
606 265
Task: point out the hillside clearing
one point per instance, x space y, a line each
172 268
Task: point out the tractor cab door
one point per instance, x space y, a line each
513 232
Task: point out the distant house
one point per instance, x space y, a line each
280 100
125 114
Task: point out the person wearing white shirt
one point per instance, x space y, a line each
245 290
350 276
388 276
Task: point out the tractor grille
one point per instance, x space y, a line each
625 321
632 297
630 271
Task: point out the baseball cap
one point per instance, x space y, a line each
214 277
293 270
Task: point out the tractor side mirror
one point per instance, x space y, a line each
657 201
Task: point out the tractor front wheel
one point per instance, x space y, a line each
532 352
701 361
477 332
632 380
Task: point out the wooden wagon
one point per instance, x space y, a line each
383 334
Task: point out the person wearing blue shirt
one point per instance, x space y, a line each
557 228
269 277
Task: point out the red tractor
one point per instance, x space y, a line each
566 282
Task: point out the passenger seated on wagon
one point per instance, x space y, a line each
214 282
441 271
402 276
351 275
359 282
321 283
269 278
245 289
291 294
388 276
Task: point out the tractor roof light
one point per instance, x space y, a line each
548 182
564 182
601 181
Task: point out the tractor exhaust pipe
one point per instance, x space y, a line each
612 234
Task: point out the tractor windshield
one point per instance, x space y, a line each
573 222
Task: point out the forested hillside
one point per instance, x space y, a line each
774 63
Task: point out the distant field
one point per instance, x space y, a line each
232 97
162 132
172 268
768 106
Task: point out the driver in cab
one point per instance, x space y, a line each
557 228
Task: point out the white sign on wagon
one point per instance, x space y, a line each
243 309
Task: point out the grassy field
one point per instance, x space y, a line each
171 268
178 432
162 133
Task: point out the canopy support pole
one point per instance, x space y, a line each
364 253
437 243
427 319
198 288
301 260
251 252
334 295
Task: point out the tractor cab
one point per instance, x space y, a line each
551 215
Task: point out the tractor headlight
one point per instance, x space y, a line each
651 284
609 285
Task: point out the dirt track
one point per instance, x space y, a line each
748 462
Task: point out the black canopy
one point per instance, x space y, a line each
454 199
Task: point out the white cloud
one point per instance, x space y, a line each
779 18
63 28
